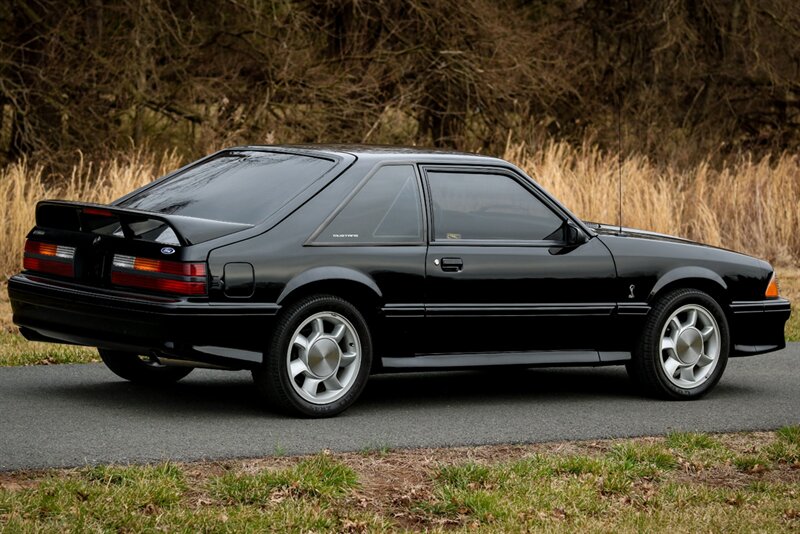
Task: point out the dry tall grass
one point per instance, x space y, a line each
23 184
751 206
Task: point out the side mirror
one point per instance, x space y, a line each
574 236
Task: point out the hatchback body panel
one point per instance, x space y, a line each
447 302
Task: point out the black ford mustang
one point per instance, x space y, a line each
315 266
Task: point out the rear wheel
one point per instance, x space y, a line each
141 369
319 358
683 349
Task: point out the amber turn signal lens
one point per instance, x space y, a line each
772 288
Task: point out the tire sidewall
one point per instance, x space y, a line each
674 302
276 361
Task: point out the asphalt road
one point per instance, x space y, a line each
69 415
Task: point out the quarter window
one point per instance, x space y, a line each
484 206
387 209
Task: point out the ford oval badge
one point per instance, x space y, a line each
168 250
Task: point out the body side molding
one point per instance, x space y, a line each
519 310
546 357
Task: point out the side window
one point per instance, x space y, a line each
387 209
488 207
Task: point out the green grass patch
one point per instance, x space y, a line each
631 488
691 442
697 449
317 476
104 498
465 476
792 328
752 463
790 434
625 486
16 350
787 447
643 459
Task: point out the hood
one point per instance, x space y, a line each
614 231
610 229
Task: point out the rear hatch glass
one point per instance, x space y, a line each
236 186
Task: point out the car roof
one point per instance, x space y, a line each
383 152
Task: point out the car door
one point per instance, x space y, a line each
501 274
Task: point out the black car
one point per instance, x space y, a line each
315 266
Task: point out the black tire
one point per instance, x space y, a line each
273 378
646 367
131 367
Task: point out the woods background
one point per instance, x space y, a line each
718 76
99 97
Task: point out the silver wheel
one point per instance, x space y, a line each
324 358
690 346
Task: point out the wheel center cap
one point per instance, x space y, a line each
689 347
323 358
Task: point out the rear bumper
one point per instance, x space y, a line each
757 326
228 334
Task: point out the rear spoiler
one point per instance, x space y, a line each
134 224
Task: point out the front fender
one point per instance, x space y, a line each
687 273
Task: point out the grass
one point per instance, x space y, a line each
23 184
684 482
746 205
16 350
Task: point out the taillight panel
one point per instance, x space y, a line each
49 258
174 277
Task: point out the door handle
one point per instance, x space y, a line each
452 265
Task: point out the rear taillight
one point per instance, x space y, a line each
159 275
49 258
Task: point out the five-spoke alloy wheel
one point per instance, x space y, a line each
319 358
683 349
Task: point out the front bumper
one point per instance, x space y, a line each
227 334
757 326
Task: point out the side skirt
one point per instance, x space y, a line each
489 359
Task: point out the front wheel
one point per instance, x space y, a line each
684 346
319 358
141 370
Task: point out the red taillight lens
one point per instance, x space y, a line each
49 258
170 267
159 275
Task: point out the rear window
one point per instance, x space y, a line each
244 187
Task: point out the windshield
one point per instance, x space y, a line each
244 186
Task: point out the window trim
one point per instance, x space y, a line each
312 239
525 182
